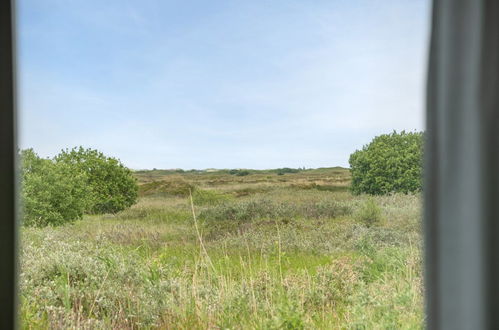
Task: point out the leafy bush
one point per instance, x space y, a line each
51 193
369 213
113 186
390 163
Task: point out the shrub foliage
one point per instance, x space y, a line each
390 163
51 193
113 186
61 190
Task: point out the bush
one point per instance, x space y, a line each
113 186
51 193
390 163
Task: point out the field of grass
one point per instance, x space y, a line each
261 251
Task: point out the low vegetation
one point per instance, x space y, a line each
258 251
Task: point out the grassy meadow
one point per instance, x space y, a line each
251 250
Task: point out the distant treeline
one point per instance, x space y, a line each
237 172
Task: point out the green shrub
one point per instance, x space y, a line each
289 317
113 186
390 163
369 213
51 193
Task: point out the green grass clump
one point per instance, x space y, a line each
369 213
209 197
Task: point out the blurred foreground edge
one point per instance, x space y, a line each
462 167
8 228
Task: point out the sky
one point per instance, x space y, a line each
220 84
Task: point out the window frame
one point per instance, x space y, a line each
8 152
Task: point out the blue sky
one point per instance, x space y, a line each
220 84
